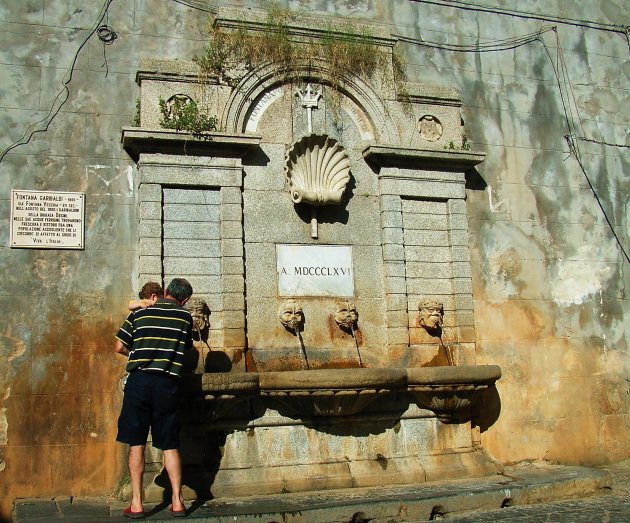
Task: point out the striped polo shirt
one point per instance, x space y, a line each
157 337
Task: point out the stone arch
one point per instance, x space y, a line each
264 80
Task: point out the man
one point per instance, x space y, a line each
154 339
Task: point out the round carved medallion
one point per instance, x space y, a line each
430 128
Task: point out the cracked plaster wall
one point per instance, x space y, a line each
549 281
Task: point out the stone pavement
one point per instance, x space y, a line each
610 507
522 493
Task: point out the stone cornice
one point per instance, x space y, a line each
136 140
302 27
447 159
418 93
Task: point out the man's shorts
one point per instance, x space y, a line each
150 403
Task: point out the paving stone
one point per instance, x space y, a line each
463 501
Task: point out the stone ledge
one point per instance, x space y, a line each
136 140
447 159
167 70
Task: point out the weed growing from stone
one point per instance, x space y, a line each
342 47
184 115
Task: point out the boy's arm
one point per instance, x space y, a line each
120 348
139 304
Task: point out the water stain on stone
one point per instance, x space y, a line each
382 461
439 360
72 396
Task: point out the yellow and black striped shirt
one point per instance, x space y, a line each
157 337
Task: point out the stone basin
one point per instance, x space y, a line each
330 392
215 385
451 392
215 395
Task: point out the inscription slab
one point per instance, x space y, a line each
47 219
315 270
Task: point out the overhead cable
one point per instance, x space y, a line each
561 73
480 47
62 96
469 6
576 154
200 5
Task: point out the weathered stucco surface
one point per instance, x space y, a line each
549 280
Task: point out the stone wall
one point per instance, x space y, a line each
548 278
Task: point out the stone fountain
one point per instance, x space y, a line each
335 336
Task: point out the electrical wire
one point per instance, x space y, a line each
602 142
107 36
561 73
576 153
571 138
458 4
486 47
200 5
62 96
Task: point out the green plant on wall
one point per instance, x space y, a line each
136 114
466 145
182 114
343 47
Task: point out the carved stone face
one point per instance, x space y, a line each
200 313
346 314
291 315
431 314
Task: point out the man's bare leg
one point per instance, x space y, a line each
135 461
173 466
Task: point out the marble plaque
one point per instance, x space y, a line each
315 270
47 219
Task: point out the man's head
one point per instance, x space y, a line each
151 291
180 290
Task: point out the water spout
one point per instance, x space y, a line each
431 317
292 317
303 349
356 344
449 353
346 317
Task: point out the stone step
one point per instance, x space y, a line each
521 485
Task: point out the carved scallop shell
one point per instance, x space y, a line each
317 170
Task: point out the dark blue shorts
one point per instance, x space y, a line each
150 403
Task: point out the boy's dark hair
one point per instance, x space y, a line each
149 289
180 289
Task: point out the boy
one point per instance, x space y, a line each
148 295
